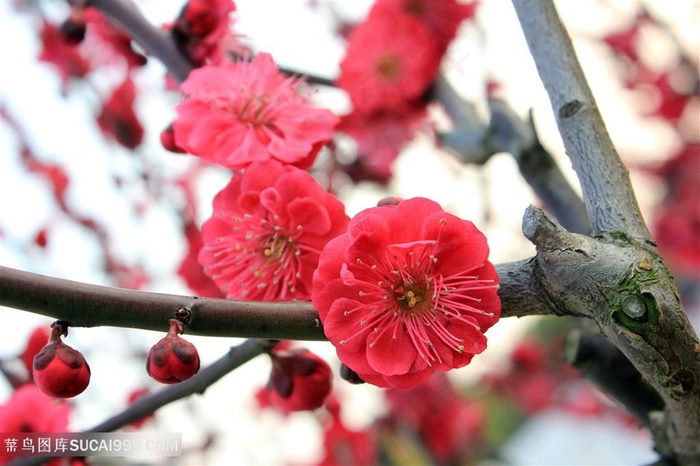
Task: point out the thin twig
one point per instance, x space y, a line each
197 384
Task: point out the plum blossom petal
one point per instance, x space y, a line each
269 226
239 112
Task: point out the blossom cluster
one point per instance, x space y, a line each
276 234
391 61
403 290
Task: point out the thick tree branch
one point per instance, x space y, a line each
521 292
625 287
605 182
85 305
597 358
619 279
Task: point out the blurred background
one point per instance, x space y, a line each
87 208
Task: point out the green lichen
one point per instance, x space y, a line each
630 304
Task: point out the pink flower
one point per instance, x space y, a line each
625 42
243 111
29 410
342 445
268 228
390 61
448 425
66 58
35 343
676 229
441 17
407 291
380 137
202 31
191 271
108 42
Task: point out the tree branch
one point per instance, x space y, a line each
597 358
159 43
475 142
85 305
605 182
234 358
625 287
542 173
154 41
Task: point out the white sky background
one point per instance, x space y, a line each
62 128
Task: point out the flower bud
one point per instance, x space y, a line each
172 359
300 380
60 370
350 375
167 139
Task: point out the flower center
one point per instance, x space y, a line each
276 246
254 111
414 7
257 260
412 297
389 67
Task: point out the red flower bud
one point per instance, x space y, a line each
60 370
167 139
300 380
172 359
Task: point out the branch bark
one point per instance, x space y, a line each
618 279
85 305
155 41
605 182
625 287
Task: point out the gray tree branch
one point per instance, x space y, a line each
625 287
605 182
618 279
475 142
86 305
154 41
